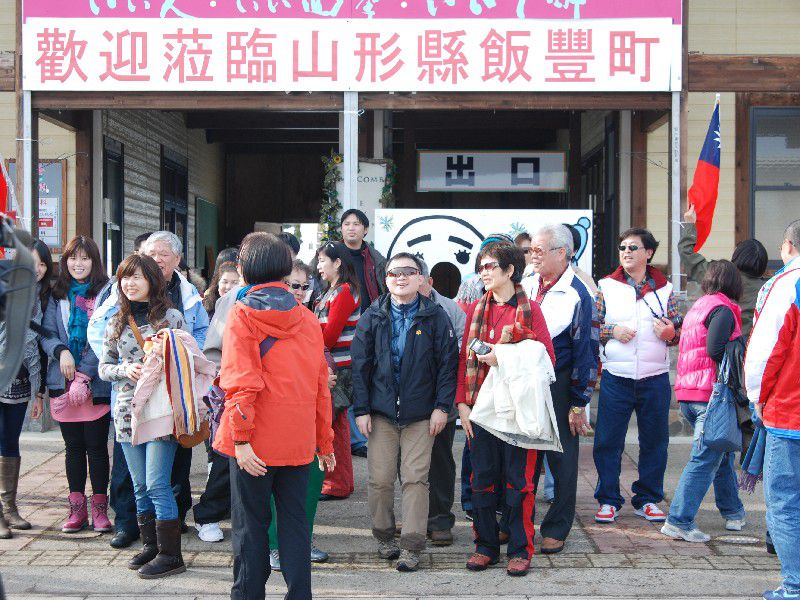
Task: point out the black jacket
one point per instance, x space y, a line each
428 370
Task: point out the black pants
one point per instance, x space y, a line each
87 440
557 523
251 517
215 503
498 466
123 501
442 481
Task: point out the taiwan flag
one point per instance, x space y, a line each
705 185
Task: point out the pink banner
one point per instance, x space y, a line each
384 9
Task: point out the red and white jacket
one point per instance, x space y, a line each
772 362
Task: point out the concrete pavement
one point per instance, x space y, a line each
629 559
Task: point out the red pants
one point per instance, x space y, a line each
339 482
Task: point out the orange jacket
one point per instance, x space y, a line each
279 403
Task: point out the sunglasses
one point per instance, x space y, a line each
402 272
527 250
631 247
489 266
299 286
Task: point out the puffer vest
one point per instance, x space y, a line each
697 371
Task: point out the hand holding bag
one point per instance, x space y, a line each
721 431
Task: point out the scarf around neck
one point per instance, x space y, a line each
80 309
523 330
369 274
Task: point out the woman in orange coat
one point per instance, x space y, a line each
277 418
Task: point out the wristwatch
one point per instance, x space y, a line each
576 410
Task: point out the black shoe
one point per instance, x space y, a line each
184 528
123 539
470 515
770 546
147 527
361 452
169 560
329 498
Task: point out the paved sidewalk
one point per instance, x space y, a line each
629 559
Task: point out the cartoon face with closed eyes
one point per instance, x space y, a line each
440 239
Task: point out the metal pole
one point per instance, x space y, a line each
675 190
349 148
26 168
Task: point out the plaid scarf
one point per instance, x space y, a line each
523 330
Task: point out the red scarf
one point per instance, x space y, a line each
369 274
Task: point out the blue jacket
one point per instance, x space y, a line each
55 322
427 373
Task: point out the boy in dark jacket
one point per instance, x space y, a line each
405 362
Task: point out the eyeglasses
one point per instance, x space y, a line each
402 272
541 251
299 286
631 247
489 266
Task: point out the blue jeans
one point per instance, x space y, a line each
704 467
782 496
150 465
619 398
466 479
357 440
549 483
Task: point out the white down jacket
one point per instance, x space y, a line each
514 402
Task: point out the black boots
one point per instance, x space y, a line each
147 529
169 560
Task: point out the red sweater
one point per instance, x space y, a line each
499 316
338 313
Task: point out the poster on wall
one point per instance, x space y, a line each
52 188
453 237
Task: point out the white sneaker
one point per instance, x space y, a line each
693 535
274 560
651 512
735 524
210 532
606 514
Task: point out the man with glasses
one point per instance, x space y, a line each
568 310
639 318
405 362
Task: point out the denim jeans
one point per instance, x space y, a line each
549 483
782 496
619 398
150 465
704 467
357 439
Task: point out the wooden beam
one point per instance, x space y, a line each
491 120
515 101
251 120
83 174
638 171
743 73
742 169
190 101
282 149
653 119
8 72
271 136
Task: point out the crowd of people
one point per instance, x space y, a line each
286 371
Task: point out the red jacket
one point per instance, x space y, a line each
279 403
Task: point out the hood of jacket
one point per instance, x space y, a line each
271 310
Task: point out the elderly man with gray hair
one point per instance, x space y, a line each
166 249
568 309
442 475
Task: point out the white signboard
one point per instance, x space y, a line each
367 55
467 171
455 236
371 180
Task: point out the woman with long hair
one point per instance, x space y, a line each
338 311
225 278
80 400
713 321
144 310
14 399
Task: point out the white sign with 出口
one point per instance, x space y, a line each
489 171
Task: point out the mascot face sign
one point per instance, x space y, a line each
439 239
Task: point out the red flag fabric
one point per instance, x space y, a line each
705 185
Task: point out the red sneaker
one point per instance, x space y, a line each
480 562
651 512
518 567
606 514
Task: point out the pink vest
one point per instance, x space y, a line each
697 372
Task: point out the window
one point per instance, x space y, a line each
175 195
113 202
775 175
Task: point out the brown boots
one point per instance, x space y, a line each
161 548
9 478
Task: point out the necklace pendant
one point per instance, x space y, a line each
491 333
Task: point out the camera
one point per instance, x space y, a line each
478 347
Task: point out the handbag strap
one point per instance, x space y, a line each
136 333
724 369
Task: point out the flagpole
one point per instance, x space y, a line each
675 199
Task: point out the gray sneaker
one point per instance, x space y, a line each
409 561
693 535
317 555
274 560
389 550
